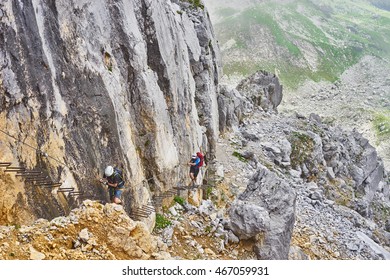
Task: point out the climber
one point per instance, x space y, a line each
194 168
114 179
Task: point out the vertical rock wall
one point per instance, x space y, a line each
91 83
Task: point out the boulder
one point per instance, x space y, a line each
267 206
247 220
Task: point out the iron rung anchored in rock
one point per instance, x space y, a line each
48 185
43 183
14 169
65 189
28 176
141 213
138 216
74 193
37 179
149 208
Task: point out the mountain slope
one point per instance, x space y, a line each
299 39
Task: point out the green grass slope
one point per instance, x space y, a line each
299 39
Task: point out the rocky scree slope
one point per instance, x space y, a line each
359 100
321 186
291 187
87 83
90 232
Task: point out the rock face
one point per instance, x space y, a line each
88 83
266 211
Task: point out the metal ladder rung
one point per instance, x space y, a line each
38 178
76 193
56 185
65 189
173 192
31 172
45 186
149 208
141 211
43 183
14 170
48 185
30 175
136 217
52 183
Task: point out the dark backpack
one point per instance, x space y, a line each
119 172
201 157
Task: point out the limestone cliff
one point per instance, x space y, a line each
88 83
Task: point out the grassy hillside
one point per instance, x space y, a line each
299 39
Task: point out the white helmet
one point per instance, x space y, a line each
194 156
109 171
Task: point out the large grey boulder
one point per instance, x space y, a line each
273 199
247 220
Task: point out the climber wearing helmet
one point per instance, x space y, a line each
194 168
114 179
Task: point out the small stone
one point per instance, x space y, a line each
84 235
76 244
330 173
295 173
172 210
352 246
35 255
232 237
316 195
118 208
92 242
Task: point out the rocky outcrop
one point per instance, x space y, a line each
334 175
265 211
317 162
261 90
92 231
89 83
345 164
